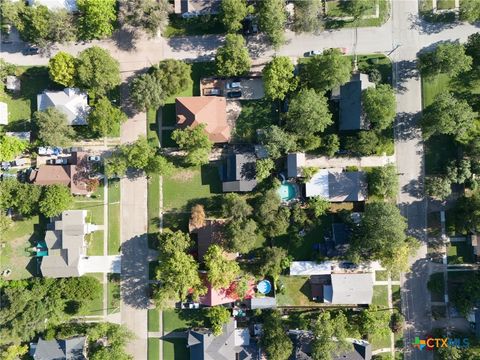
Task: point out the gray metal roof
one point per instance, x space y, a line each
350 288
205 346
239 173
295 162
347 186
69 349
266 302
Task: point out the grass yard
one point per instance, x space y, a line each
295 292
445 4
381 275
113 216
189 186
153 348
460 253
176 221
153 206
96 306
396 297
95 216
201 25
380 342
175 349
384 13
152 127
380 297
376 61
432 86
113 296
153 320
255 114
336 8
434 227
180 320
439 151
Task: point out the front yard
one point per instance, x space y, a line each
460 252
113 216
334 10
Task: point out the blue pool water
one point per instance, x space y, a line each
287 192
264 287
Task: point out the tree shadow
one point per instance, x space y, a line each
125 39
414 188
415 212
430 23
405 127
127 105
210 175
405 70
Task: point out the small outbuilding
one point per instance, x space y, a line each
3 113
13 83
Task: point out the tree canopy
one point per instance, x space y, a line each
62 69
274 340
232 13
469 10
278 78
324 330
273 218
308 113
170 242
173 76
379 104
307 16
273 260
96 18
439 187
11 147
272 20
232 59
263 168
218 316
146 92
327 71
221 272
235 205
467 214
195 141
53 128
277 142
55 199
105 119
383 181
242 235
23 198
150 15
447 58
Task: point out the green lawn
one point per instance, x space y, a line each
176 221
113 216
189 186
180 320
380 342
152 127
432 86
153 320
337 12
153 349
175 349
376 61
460 253
381 275
113 288
295 292
95 216
255 114
380 297
445 4
396 297
439 151
206 24
96 306
153 206
334 8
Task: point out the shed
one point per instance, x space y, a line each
3 113
295 162
13 83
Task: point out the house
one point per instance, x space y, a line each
3 113
238 173
74 174
336 282
295 162
338 244
349 96
223 296
72 102
197 6
63 253
208 110
68 349
336 185
232 344
69 5
209 234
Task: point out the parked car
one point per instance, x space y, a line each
212 92
234 94
8 176
57 161
5 165
313 53
49 150
234 85
94 158
190 15
32 50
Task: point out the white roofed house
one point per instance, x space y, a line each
69 5
336 185
72 102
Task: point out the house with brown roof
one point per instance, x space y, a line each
74 174
208 110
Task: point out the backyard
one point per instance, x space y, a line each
380 299
205 24
295 291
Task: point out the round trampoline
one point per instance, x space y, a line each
264 287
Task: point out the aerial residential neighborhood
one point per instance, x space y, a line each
239 179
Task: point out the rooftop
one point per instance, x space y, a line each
69 349
72 102
338 186
238 173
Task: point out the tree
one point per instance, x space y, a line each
330 144
469 10
236 206
272 20
79 292
381 236
115 165
146 93
34 24
178 276
221 272
459 171
327 71
14 352
173 76
397 322
318 205
195 141
97 71
96 18
273 218
53 128
105 119
241 235
307 16
278 78
197 216
5 223
277 142
374 322
379 104
450 353
11 147
467 214
365 143
171 242
55 199
273 260
61 69
264 168
62 27
447 58
308 113
466 293
449 116
308 172
383 181
356 8
324 330
151 15
232 59
232 13
218 316
274 340
472 47
23 198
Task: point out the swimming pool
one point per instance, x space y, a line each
287 191
264 287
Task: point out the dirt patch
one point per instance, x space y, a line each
183 175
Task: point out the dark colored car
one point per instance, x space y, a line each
234 94
30 51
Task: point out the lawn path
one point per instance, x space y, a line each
105 244
390 306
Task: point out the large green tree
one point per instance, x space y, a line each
379 104
469 10
232 59
273 218
241 235
272 17
233 12
53 128
327 71
278 78
449 116
221 272
218 316
277 142
11 147
173 76
308 113
147 93
171 242
272 261
62 69
472 47
308 15
195 141
383 181
467 213
356 8
325 328
439 187
263 168
23 198
447 58
274 339
55 199
97 70
97 18
235 206
105 119
150 15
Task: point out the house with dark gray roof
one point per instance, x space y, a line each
349 96
232 344
295 162
68 349
336 185
239 172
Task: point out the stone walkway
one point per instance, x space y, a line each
342 162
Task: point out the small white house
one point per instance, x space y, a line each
72 102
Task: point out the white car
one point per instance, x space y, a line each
234 85
94 158
190 15
313 53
